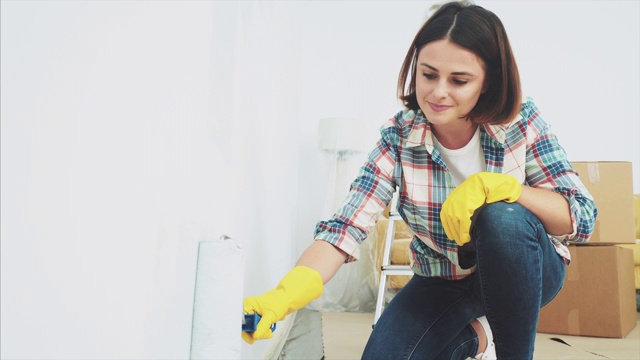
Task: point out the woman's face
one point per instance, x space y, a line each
449 81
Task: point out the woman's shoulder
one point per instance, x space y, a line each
528 108
527 124
402 118
529 115
403 122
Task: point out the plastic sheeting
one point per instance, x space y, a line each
354 288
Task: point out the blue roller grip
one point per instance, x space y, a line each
250 323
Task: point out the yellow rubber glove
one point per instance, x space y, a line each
299 287
477 190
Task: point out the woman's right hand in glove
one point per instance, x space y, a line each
298 288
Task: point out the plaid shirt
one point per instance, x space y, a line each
406 157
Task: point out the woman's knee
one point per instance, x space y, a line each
502 228
501 212
504 218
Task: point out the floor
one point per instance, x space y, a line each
345 335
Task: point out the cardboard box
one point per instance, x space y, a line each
598 297
611 184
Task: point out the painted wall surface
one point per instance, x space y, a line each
130 131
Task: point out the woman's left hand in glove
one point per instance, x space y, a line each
477 190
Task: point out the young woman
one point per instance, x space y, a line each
484 186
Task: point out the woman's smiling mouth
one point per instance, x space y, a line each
438 108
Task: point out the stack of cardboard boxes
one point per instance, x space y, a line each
598 297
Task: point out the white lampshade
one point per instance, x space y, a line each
345 135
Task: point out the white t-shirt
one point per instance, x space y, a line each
465 161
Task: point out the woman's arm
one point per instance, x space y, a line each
550 207
550 176
324 258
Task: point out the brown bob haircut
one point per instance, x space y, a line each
480 31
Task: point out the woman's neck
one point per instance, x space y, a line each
456 136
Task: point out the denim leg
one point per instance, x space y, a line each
423 319
518 272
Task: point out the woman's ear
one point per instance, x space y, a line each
485 86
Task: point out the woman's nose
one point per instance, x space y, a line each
441 90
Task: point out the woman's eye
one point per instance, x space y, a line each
429 76
459 82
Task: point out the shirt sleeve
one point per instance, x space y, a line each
547 166
368 196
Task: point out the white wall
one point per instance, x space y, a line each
132 130
580 63
105 123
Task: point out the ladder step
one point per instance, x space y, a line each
397 270
396 267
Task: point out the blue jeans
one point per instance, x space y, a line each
518 272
